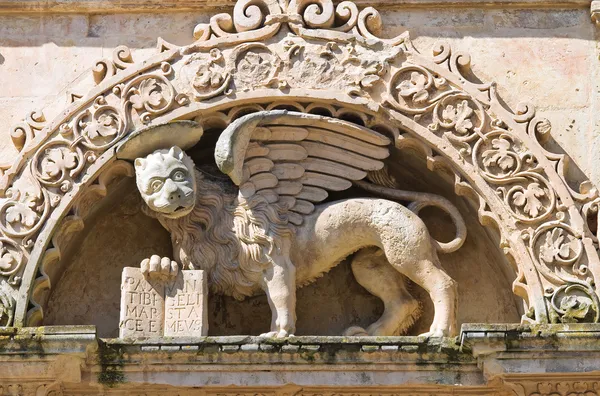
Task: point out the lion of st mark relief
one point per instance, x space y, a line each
276 233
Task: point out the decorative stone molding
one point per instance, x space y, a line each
312 58
71 360
565 385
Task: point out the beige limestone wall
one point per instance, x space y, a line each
540 54
546 56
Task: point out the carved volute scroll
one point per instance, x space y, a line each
315 57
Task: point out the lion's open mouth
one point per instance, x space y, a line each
179 211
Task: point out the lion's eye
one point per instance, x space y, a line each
179 176
156 185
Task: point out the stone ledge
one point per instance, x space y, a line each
48 340
479 356
293 350
123 6
506 338
485 338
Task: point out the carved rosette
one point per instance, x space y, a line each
506 152
297 63
322 53
209 75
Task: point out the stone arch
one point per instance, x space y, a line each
308 51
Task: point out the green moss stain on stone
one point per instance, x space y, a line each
110 359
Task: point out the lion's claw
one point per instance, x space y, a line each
159 268
355 331
434 334
277 334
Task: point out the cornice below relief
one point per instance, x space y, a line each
486 360
125 6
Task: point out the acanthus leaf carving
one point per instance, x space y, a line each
211 77
311 47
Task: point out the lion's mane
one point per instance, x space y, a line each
228 236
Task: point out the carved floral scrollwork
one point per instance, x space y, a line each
25 131
150 95
255 65
211 76
324 66
59 163
504 161
56 163
461 118
574 303
261 19
574 388
98 127
450 105
251 19
25 207
558 251
12 257
330 48
121 59
7 308
334 66
345 17
415 90
349 67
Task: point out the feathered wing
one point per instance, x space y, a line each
294 158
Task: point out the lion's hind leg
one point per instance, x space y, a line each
373 272
442 289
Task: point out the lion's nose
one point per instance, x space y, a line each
172 191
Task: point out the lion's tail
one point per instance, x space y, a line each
419 201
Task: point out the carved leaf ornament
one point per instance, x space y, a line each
313 57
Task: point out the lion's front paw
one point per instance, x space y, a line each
437 333
277 334
355 331
159 268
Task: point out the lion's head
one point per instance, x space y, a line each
166 182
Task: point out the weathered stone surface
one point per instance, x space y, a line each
170 307
435 97
186 309
484 360
180 196
142 305
543 221
108 27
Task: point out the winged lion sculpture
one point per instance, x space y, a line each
277 232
